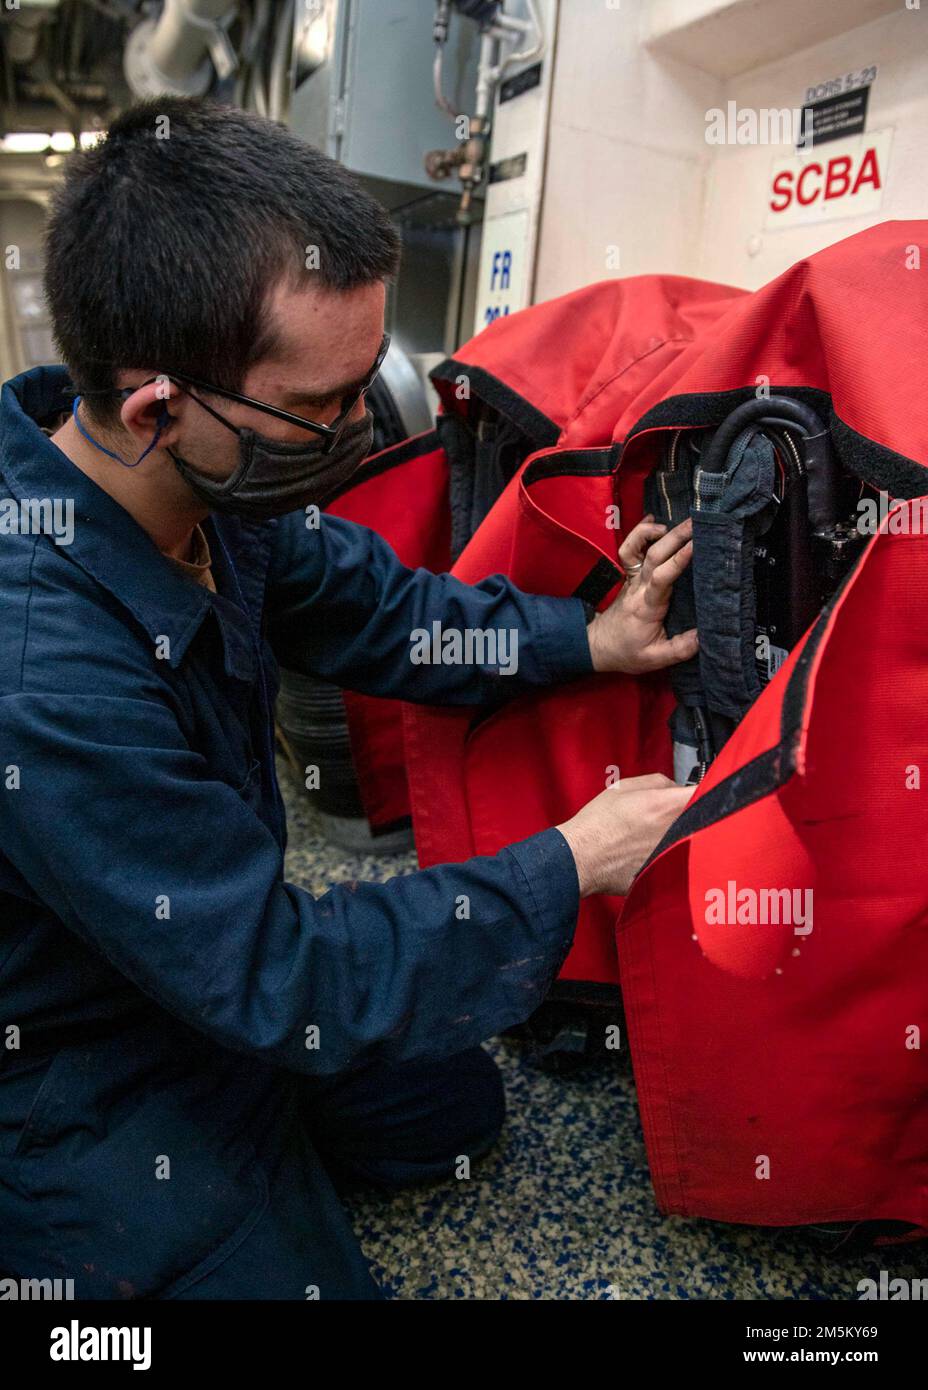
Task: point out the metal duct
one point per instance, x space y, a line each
179 52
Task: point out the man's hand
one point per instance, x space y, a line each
629 636
613 835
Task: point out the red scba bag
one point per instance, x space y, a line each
781 1077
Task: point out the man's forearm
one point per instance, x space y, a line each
350 612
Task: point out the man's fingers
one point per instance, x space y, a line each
648 781
662 577
635 545
668 545
673 649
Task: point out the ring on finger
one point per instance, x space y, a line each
634 569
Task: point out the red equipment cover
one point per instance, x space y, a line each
621 332
779 1075
778 1068
402 493
580 360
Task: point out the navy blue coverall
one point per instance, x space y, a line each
191 1048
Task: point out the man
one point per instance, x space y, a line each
196 1050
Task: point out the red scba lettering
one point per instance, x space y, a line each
832 181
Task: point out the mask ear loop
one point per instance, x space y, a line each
162 423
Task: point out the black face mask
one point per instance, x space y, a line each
273 478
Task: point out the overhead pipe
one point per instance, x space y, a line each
179 52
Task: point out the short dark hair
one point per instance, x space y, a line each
165 240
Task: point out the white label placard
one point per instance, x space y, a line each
841 178
503 256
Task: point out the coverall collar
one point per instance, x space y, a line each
108 543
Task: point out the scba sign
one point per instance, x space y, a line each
846 180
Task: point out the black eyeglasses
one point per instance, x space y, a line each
330 433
